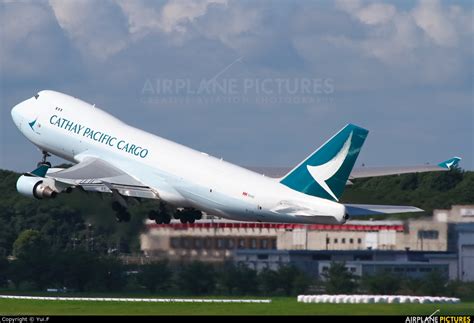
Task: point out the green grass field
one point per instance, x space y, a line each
279 306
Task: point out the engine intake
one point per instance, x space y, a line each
34 187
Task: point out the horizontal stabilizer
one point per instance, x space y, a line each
370 209
363 172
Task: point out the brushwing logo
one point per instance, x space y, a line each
450 164
32 124
322 173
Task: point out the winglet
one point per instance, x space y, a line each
450 163
40 171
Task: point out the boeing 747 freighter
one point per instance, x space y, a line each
112 157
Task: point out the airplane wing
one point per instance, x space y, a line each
363 172
97 175
369 209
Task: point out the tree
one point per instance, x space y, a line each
382 282
75 269
4 270
446 181
17 273
339 280
33 258
155 276
268 281
197 278
461 289
411 286
301 283
434 283
238 279
29 243
110 274
292 280
287 280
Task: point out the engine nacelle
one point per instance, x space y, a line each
34 187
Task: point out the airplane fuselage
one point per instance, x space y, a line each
183 177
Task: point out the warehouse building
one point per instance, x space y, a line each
360 262
445 240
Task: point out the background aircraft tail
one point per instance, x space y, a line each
325 172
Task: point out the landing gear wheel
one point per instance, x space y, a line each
161 215
152 215
162 218
188 215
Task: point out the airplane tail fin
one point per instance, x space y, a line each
325 172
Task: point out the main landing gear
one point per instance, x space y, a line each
43 161
188 215
121 212
161 216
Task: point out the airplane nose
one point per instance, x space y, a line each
16 115
19 112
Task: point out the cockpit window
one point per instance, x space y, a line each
37 96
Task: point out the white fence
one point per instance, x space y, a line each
371 299
151 300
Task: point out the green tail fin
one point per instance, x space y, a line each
325 172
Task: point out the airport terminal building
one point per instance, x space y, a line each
413 247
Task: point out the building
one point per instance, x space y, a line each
207 240
465 250
360 262
445 240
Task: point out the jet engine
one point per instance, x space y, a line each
34 187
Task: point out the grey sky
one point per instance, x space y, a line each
254 82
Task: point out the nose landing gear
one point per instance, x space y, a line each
43 161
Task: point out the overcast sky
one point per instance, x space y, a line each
259 83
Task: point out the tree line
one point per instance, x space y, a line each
86 220
339 280
72 241
35 268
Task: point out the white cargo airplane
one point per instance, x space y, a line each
113 157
